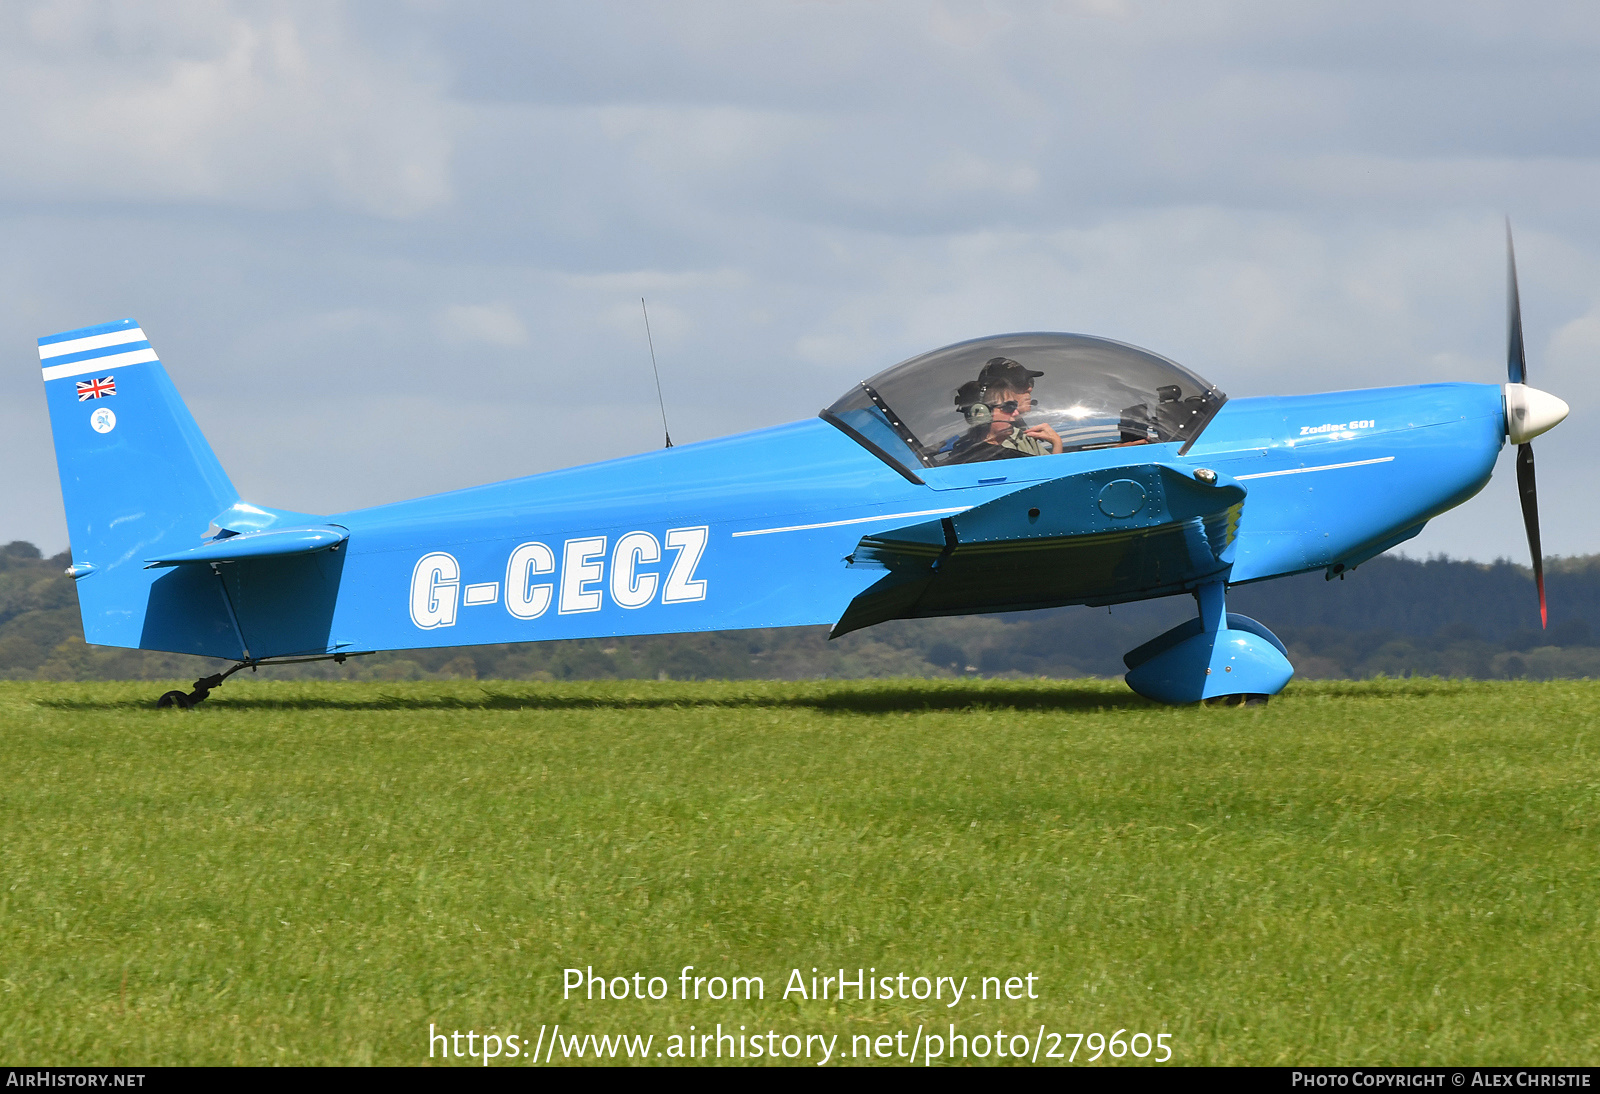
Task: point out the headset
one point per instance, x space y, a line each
983 413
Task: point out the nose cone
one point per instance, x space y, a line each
1530 412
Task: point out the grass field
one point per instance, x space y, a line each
1383 872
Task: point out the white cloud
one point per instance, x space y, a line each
963 172
648 281
1285 198
968 24
275 108
492 324
1577 343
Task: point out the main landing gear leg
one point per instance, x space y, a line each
1218 658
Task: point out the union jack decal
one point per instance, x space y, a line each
96 389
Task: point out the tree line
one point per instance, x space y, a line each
1393 616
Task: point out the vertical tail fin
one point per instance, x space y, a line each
137 479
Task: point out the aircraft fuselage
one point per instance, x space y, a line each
752 530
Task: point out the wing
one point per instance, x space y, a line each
1098 537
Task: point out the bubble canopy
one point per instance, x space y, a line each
971 402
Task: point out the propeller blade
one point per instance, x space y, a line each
1516 356
1530 519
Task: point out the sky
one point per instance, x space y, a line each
388 249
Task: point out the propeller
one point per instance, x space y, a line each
1529 412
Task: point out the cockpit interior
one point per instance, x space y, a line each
1017 395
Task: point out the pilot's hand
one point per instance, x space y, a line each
1045 433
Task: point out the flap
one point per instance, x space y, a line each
267 544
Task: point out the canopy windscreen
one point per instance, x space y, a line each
1091 392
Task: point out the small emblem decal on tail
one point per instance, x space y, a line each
96 389
103 420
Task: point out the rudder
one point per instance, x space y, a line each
137 478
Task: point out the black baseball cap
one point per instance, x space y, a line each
998 371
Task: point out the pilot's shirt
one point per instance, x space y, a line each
970 449
1021 442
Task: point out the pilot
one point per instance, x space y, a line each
993 406
1003 372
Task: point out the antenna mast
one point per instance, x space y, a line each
657 371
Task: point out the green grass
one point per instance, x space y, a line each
1384 872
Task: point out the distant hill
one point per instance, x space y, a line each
1394 615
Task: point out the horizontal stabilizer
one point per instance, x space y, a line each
1101 536
273 543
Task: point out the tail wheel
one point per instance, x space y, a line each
179 699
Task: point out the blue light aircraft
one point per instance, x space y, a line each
999 474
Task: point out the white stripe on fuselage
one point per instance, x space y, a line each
856 520
1305 470
964 508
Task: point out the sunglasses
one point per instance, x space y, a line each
1009 406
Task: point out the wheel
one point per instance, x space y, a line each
1243 700
179 699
